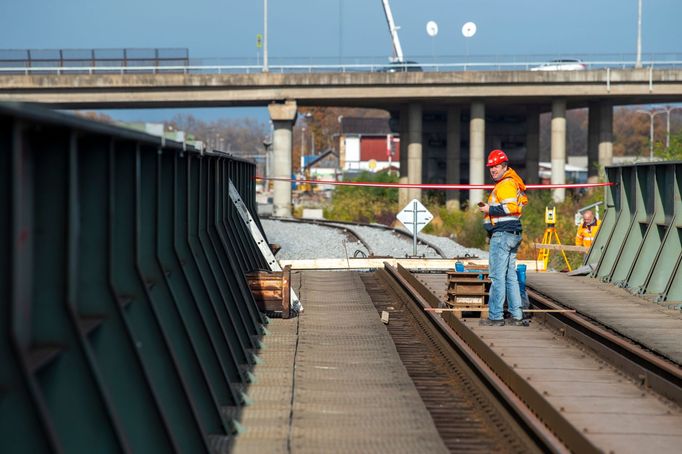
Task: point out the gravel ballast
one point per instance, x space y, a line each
301 241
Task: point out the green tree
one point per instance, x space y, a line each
365 204
673 152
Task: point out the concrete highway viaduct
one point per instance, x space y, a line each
474 111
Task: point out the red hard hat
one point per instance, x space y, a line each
496 157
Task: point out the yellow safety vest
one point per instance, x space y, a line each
586 234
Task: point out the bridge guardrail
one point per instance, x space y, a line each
289 69
126 322
153 61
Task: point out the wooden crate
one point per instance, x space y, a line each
468 290
271 290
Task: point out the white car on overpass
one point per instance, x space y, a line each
566 64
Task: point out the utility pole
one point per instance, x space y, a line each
667 110
265 36
638 63
652 114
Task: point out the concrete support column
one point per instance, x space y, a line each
453 156
402 192
558 150
605 134
414 150
593 121
532 144
476 152
283 117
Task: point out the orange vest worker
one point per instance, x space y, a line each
586 233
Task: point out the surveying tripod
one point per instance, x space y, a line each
550 232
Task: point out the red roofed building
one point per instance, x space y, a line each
368 144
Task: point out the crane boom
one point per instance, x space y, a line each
393 30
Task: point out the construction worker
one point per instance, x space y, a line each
587 229
503 223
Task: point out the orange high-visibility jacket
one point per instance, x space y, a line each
586 234
506 202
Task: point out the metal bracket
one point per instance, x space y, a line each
263 245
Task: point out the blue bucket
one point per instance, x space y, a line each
521 275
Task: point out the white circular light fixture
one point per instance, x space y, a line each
469 29
432 28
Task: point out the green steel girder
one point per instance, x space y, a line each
113 345
126 323
25 425
217 297
132 291
223 340
639 245
202 339
229 275
216 228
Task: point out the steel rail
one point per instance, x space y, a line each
650 369
545 423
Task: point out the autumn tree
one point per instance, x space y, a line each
241 136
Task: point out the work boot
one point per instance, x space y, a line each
488 322
517 322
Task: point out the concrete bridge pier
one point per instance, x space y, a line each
558 148
283 117
606 134
476 152
414 150
453 151
599 138
402 192
593 120
532 144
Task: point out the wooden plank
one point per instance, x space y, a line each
558 247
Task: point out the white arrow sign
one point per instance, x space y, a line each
414 216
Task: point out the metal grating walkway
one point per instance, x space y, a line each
332 381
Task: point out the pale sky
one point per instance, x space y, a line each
329 31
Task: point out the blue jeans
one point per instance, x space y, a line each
505 283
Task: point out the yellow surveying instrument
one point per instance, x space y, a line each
550 232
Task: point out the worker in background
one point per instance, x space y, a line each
587 229
503 223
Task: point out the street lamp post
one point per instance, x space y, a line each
652 114
265 36
638 63
667 110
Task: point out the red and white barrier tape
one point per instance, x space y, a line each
444 187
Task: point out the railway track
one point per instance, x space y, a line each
565 382
348 228
467 416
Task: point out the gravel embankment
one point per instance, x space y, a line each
307 241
